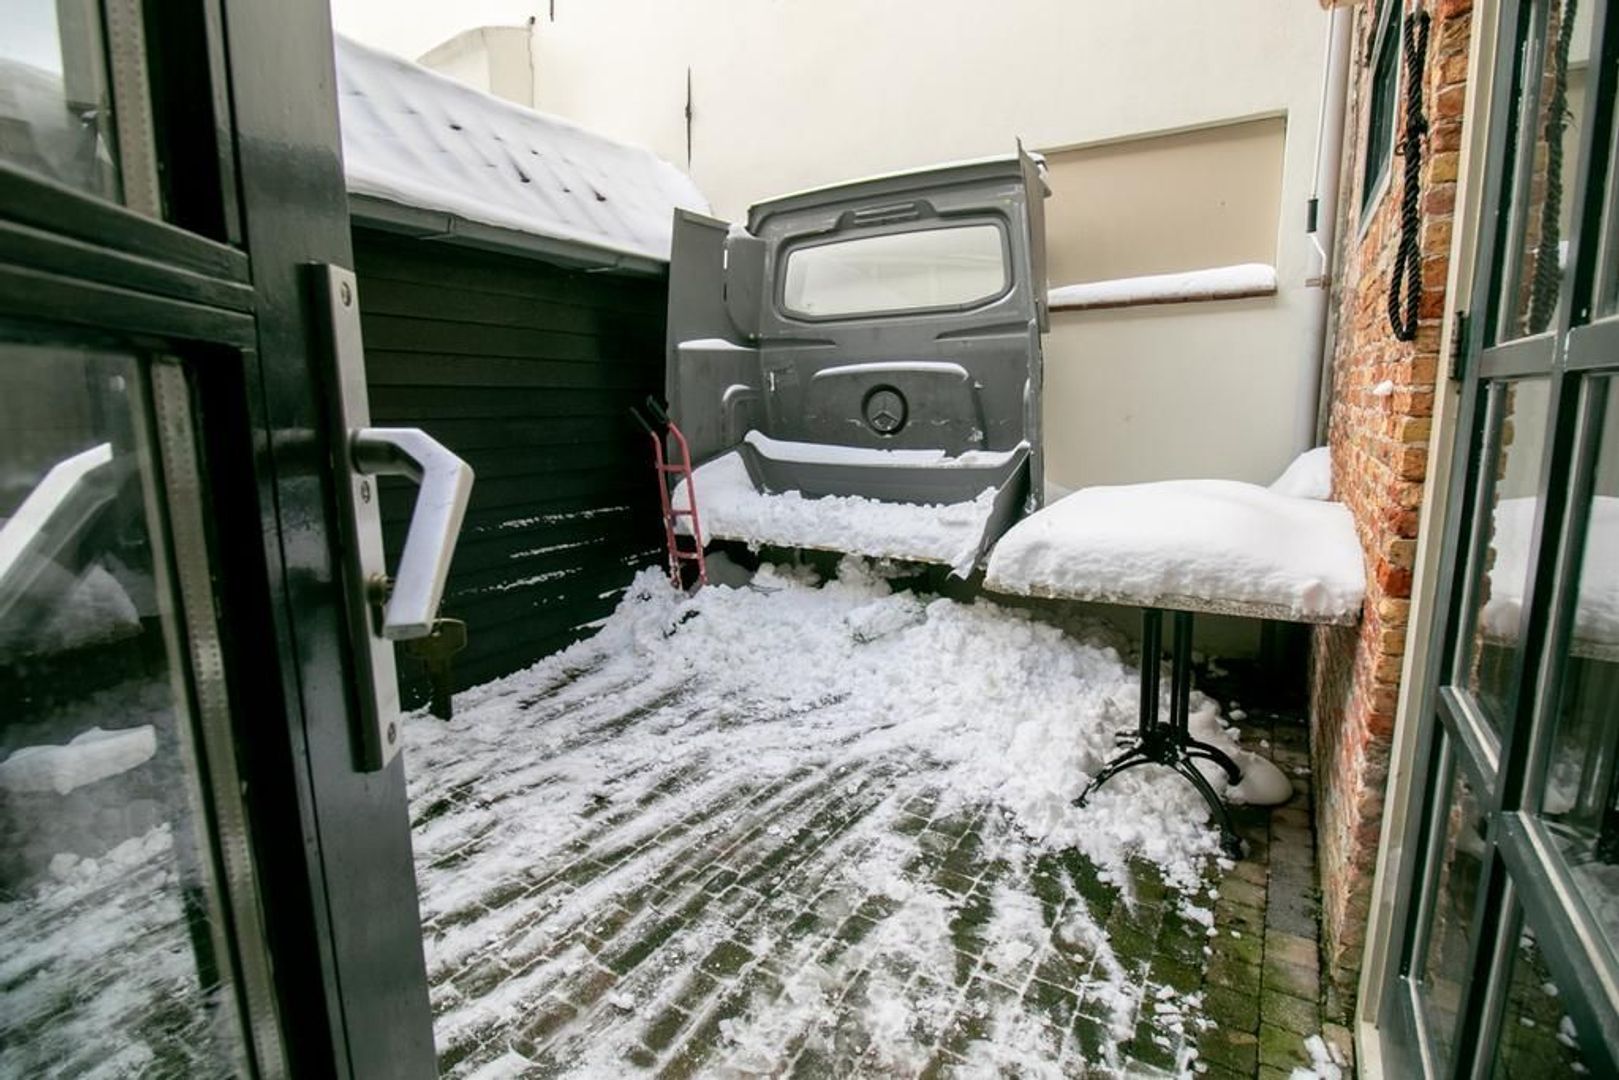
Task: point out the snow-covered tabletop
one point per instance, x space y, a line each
1218 546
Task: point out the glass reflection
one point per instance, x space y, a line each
1538 1039
1448 949
1549 106
55 102
1581 796
1500 566
114 952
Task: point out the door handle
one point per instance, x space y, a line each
446 485
379 611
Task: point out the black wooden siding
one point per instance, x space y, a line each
527 371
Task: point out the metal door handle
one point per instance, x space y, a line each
378 616
446 485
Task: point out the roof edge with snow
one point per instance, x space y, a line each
430 157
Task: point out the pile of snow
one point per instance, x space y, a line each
1216 283
90 756
1308 477
1219 544
731 508
416 138
1596 611
1004 708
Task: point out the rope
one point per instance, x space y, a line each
1547 282
1408 260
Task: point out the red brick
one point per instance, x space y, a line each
1380 446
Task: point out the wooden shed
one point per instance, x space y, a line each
513 286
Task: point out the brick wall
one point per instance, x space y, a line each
1379 445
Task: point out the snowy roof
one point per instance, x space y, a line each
414 138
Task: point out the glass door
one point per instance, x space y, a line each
202 870
1513 863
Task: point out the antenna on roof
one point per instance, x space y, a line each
688 118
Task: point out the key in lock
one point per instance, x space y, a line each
448 637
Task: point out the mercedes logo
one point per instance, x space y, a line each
885 410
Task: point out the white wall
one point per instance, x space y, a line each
495 59
789 94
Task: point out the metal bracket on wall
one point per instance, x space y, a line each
380 609
1458 345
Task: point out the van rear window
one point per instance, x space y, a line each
895 272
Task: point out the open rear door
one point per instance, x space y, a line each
877 340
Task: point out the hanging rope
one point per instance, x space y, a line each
1408 260
1547 282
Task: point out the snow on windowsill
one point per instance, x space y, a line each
1218 283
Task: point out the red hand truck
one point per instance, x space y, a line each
680 469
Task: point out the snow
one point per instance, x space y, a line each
1325 1063
1383 389
99 970
783 697
1215 544
1217 283
731 508
912 367
837 454
1596 613
90 756
414 137
21 531
715 344
96 609
1308 477
1011 709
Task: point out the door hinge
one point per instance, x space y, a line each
1458 344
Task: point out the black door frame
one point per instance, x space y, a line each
243 98
1521 879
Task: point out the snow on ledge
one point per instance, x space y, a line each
835 454
1218 283
731 508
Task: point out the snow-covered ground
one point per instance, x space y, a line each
666 836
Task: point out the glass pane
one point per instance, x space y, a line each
1459 869
1380 116
1606 301
113 953
1544 166
905 271
1538 1039
1581 797
1500 562
55 102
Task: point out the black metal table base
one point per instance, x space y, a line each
1170 744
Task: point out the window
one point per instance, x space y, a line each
55 101
906 271
1380 113
1125 209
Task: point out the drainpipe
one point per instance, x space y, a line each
1321 227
